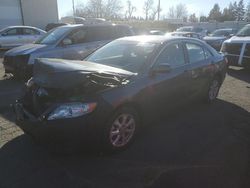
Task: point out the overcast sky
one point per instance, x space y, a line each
200 7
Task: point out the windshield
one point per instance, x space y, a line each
53 36
245 31
127 55
219 33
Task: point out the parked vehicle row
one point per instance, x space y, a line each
216 38
67 42
105 98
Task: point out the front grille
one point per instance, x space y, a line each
232 48
247 51
16 62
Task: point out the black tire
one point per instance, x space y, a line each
213 90
122 140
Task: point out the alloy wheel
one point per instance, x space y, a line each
122 130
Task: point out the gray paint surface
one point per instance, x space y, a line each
37 13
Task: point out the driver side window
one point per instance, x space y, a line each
172 55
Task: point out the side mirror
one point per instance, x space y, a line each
66 42
162 68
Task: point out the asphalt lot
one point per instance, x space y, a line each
198 146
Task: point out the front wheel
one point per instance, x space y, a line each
121 129
213 90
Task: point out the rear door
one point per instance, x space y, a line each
199 68
30 35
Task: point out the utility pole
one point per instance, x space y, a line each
159 9
73 6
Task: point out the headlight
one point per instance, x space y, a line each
72 110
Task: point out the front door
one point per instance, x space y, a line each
168 90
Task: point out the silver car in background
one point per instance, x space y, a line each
72 42
14 36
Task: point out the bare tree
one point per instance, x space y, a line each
171 12
148 5
193 18
181 11
159 10
130 10
112 8
153 13
99 9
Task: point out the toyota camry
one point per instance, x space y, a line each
106 98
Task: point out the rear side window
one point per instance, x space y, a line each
173 55
122 31
78 36
27 31
98 34
195 52
107 33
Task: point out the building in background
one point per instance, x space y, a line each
37 13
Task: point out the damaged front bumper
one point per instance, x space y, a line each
60 131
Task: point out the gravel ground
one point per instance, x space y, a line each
201 146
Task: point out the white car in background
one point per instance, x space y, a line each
237 48
14 36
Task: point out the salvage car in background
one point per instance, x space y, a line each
106 98
67 42
14 36
216 38
237 48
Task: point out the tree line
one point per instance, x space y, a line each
115 10
235 11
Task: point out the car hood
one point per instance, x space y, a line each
63 74
27 49
210 38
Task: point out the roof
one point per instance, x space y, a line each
94 25
21 26
184 33
225 29
151 38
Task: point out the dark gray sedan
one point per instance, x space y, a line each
107 97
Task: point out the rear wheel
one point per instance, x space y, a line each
121 129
